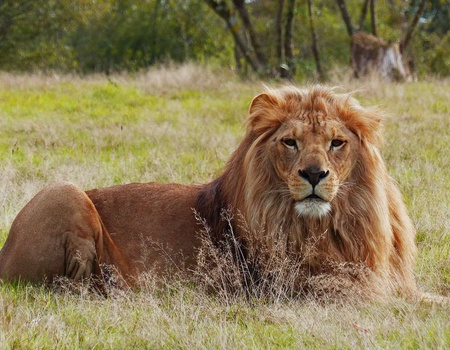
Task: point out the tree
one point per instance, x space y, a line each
406 40
221 8
283 38
348 23
314 42
363 14
288 51
131 35
345 16
34 34
274 57
279 34
373 17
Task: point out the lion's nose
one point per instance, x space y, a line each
313 174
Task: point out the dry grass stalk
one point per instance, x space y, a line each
231 271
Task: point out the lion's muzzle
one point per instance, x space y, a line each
313 174
314 202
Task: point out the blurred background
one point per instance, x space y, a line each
308 39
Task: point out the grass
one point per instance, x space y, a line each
180 125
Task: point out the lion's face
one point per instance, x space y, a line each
312 144
313 155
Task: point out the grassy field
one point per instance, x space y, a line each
181 125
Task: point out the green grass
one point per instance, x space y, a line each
181 125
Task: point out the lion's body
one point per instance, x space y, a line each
308 169
134 227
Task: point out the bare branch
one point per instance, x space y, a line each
221 8
288 32
243 13
279 31
314 42
345 16
413 25
373 17
363 14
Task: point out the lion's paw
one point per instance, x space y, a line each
80 257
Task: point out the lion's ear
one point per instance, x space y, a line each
367 126
366 123
265 113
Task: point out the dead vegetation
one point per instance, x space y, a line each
233 272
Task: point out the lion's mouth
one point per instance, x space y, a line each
313 196
310 198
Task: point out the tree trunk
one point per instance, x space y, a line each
314 42
237 57
288 53
243 13
345 16
279 33
363 14
373 17
224 12
9 13
154 31
405 42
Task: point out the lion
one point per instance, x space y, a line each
309 167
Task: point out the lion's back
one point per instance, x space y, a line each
148 220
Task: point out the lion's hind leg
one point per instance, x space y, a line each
58 233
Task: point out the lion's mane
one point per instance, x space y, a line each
368 223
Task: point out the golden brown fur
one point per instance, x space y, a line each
297 142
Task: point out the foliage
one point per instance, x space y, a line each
133 34
434 41
105 36
34 34
128 35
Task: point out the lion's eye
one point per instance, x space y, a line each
289 143
337 143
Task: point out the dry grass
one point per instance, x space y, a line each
231 272
181 124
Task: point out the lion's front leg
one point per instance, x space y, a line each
80 257
58 233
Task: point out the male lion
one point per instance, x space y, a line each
309 167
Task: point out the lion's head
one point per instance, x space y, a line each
313 141
309 170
